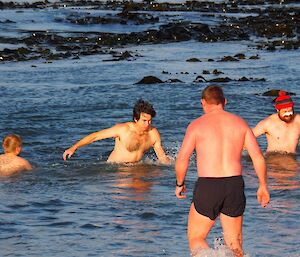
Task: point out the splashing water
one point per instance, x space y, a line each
219 250
171 152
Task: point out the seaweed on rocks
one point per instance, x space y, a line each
270 24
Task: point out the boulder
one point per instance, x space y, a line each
150 80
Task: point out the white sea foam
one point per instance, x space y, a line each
219 250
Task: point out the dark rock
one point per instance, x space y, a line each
193 60
23 50
228 59
254 57
274 93
200 79
205 72
240 56
123 56
217 72
244 79
175 32
258 80
173 81
7 21
138 18
149 80
220 80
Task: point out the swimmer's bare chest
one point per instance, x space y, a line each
134 142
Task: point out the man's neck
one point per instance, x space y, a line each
10 154
140 131
213 108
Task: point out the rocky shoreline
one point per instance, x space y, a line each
269 25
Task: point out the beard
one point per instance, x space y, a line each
286 119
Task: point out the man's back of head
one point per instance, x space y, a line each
213 95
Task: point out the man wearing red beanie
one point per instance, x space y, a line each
282 129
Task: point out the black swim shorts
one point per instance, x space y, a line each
213 196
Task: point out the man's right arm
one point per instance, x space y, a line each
260 167
182 160
260 128
96 136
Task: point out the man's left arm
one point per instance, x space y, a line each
28 166
159 151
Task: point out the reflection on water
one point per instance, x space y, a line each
282 170
135 181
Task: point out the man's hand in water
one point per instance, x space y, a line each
263 196
179 192
68 153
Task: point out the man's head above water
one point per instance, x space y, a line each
142 106
284 106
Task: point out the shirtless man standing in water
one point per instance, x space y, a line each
218 138
10 162
132 139
282 129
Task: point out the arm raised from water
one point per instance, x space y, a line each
96 136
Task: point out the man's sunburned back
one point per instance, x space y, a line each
10 164
131 145
281 136
219 138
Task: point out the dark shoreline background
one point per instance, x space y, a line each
270 25
59 82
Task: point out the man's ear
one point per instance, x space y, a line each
18 150
225 102
203 102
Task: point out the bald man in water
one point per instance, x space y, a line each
132 139
282 129
10 162
218 138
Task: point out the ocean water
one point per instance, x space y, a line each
86 207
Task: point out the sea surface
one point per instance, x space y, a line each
86 207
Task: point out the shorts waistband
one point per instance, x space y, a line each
223 178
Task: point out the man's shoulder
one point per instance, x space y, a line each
12 164
297 117
124 125
19 161
233 115
198 120
271 118
153 130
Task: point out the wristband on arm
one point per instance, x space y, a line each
181 185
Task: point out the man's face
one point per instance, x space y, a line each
145 121
286 114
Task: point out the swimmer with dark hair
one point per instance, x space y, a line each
132 139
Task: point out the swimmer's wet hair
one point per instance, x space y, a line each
213 95
142 106
11 142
